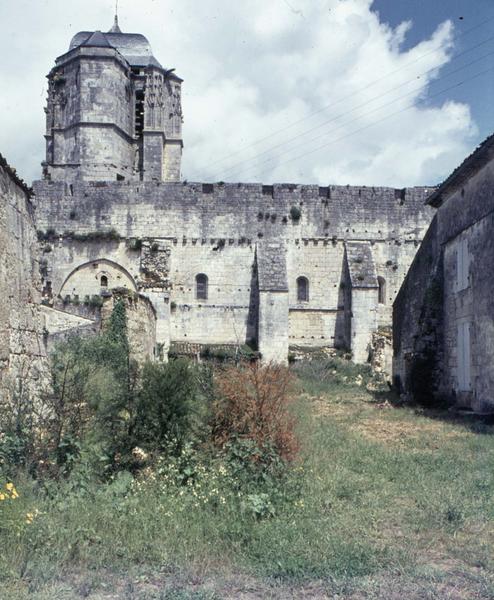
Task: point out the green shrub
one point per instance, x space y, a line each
107 235
230 354
95 301
135 244
295 213
168 405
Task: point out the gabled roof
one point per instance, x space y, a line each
471 165
97 40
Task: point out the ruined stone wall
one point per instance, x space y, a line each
22 349
141 323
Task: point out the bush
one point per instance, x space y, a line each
93 385
103 406
19 417
253 406
168 405
95 301
295 213
229 354
135 244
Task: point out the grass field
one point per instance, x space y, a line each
385 502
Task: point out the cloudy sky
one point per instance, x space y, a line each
390 92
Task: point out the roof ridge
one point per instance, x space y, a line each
97 40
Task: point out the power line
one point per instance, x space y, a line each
381 120
324 108
344 124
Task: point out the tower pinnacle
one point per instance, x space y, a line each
115 28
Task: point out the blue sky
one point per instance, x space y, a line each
466 15
312 91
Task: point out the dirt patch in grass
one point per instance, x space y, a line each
341 408
449 583
386 431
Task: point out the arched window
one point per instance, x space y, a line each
302 289
104 281
382 290
201 287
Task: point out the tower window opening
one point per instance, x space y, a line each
201 287
139 113
104 281
382 290
302 289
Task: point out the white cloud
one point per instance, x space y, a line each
251 69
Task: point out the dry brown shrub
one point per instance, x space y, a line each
254 403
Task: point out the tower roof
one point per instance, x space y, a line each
134 47
115 28
97 40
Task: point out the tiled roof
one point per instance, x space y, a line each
134 47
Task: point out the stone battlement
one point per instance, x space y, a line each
194 210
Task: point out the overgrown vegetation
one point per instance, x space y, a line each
232 354
182 480
134 244
109 235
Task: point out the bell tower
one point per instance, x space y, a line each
113 112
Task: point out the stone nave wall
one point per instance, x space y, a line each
215 229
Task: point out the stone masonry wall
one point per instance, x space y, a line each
214 229
432 305
141 323
417 315
22 350
468 216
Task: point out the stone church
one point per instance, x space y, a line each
277 267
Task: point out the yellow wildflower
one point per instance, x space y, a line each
2 496
14 494
9 487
